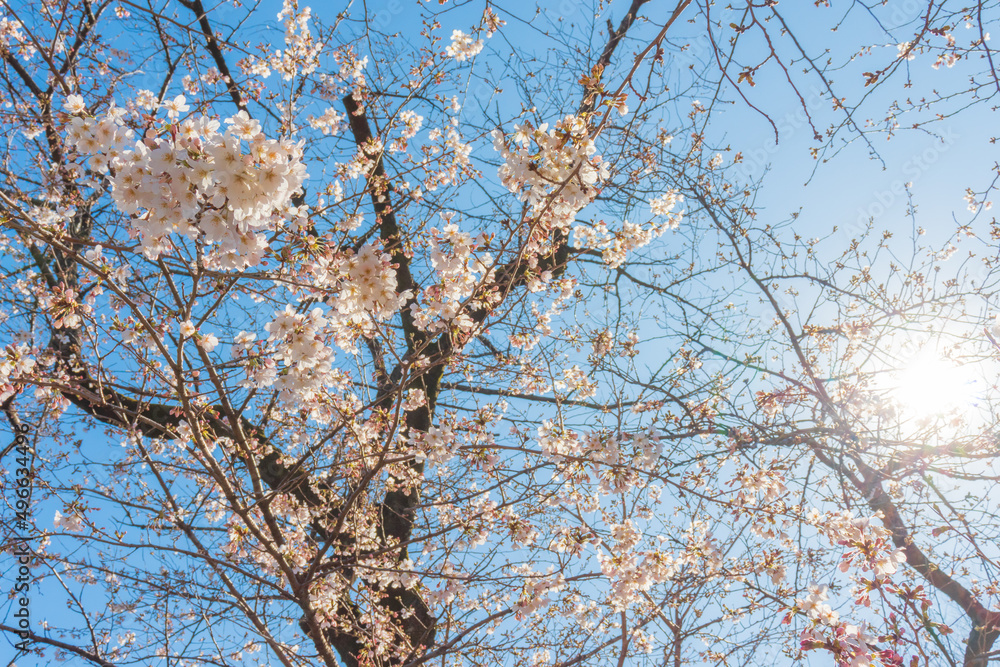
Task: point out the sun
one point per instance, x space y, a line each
929 385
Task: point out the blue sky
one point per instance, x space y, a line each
843 193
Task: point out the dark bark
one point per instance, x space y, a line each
985 623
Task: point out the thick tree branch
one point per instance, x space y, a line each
89 656
985 623
212 44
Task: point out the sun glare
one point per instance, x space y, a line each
931 385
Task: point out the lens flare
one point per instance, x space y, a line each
930 385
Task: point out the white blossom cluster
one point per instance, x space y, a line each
226 188
555 170
71 522
768 484
640 450
297 550
664 206
815 607
301 53
463 47
16 361
451 586
64 307
535 591
632 573
455 158
437 446
458 272
330 122
870 545
299 344
361 290
616 244
851 645
577 382
11 35
410 123
540 162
